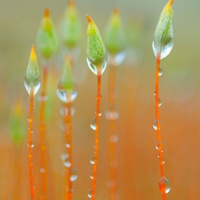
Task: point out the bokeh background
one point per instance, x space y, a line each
138 170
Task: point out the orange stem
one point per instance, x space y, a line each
43 135
68 139
158 123
98 99
30 143
112 132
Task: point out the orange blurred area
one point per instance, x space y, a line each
138 167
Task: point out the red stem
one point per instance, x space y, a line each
98 99
30 152
158 124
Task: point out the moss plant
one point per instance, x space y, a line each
115 42
70 26
96 58
32 84
162 46
47 45
66 94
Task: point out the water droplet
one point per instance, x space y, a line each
119 58
64 111
154 94
93 124
158 146
42 170
92 175
164 185
95 69
43 98
111 115
114 138
159 102
160 72
164 51
67 144
110 183
67 162
35 87
90 193
74 175
99 113
64 156
92 160
69 190
62 95
155 125
32 144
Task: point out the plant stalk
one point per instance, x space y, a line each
30 143
158 123
98 100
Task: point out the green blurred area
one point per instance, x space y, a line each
179 91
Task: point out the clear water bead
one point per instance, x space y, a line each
42 170
64 156
164 185
164 50
43 98
35 87
158 146
62 95
111 115
117 58
159 102
67 144
93 124
32 144
67 162
90 193
97 69
92 175
155 125
64 111
160 72
92 160
74 175
114 138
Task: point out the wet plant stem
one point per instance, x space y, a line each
68 139
98 100
158 123
30 143
112 131
43 134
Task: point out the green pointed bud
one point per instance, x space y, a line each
70 26
65 91
163 36
16 124
114 34
67 81
47 41
96 52
32 78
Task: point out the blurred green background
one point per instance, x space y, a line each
138 170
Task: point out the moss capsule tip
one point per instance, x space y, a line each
46 13
33 55
89 19
116 11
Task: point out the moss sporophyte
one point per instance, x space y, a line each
96 58
96 51
47 41
163 36
162 46
32 84
70 26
